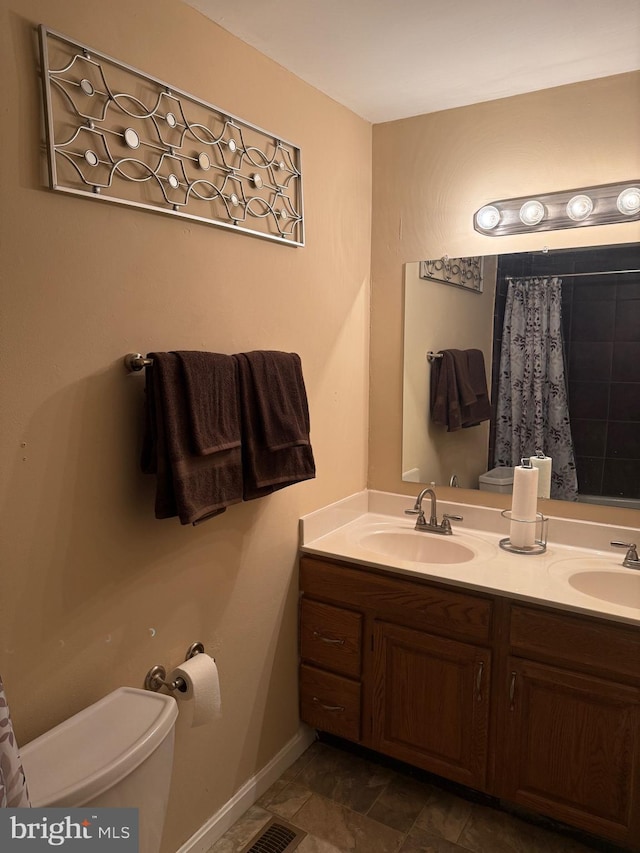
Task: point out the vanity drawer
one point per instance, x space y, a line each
331 637
588 644
391 597
330 702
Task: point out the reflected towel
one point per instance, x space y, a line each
274 413
459 397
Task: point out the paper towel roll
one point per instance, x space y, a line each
202 693
522 532
543 464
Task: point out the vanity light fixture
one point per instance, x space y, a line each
602 205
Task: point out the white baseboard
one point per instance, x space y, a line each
252 790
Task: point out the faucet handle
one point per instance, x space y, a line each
632 552
446 521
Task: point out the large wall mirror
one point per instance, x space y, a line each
460 304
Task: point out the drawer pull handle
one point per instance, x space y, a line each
512 691
334 641
479 680
328 707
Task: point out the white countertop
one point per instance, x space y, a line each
338 530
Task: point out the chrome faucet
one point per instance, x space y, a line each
432 525
631 560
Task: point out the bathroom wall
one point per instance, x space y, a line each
94 589
449 164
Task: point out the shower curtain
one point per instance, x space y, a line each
532 410
13 785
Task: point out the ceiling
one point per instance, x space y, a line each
389 59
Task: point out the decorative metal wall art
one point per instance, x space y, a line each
460 272
119 135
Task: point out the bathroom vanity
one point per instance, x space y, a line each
486 672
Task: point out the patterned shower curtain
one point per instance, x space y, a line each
13 785
532 409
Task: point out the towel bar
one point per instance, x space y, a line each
431 356
135 361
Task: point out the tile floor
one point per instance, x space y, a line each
350 803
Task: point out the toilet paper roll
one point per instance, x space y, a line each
543 464
524 507
202 693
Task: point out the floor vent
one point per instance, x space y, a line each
276 837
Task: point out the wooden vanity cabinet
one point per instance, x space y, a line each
422 677
330 685
531 704
431 702
570 714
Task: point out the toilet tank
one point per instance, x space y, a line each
117 752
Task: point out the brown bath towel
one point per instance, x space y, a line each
188 485
274 413
459 396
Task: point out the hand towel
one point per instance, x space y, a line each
445 402
212 400
274 413
193 487
479 409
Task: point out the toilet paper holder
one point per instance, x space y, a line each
157 675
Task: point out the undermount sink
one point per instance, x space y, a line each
601 577
617 587
416 547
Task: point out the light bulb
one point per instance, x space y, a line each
628 201
488 217
579 207
532 212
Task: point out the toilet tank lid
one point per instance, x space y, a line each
97 747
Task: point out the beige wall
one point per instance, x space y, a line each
432 172
94 589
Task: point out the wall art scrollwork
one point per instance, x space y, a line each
116 134
459 272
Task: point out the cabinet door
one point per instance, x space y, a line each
573 748
431 702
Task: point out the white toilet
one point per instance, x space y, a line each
116 753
